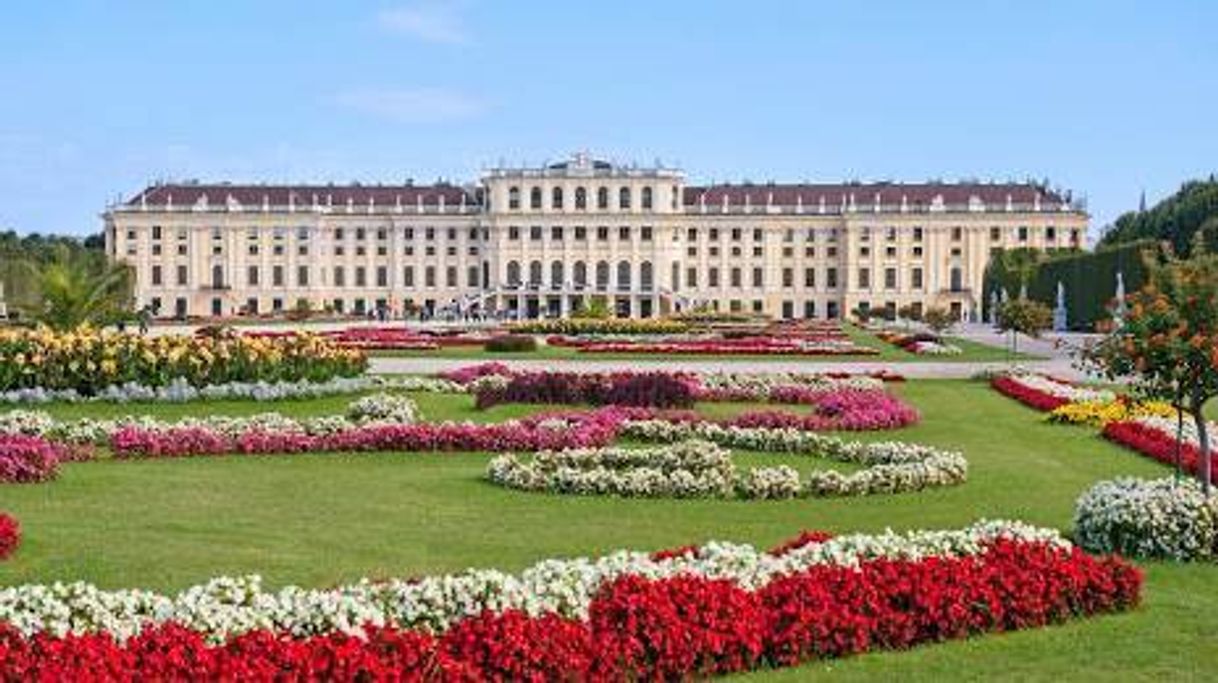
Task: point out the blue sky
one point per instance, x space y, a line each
1105 98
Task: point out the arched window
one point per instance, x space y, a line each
581 199
645 276
602 198
623 275
535 198
646 198
623 198
513 273
602 274
556 198
535 272
556 274
514 198
581 274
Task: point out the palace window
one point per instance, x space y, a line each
581 199
514 198
623 198
556 198
646 198
602 198
535 198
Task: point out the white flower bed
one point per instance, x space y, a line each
1073 393
1159 518
369 410
683 470
930 348
891 467
761 384
228 606
180 391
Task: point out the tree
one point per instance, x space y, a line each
1024 316
938 319
1168 342
74 289
1192 210
597 308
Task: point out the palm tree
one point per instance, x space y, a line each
78 288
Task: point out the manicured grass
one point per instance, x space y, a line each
323 519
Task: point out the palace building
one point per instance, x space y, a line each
542 242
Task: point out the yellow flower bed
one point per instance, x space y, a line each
88 359
1100 413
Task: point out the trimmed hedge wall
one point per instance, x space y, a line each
1089 279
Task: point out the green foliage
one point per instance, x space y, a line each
938 319
1024 316
74 288
597 308
20 253
511 343
1192 210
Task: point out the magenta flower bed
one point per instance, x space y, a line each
25 459
639 389
541 432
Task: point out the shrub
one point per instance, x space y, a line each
26 459
511 343
10 535
1152 518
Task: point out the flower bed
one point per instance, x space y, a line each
1155 437
26 459
760 346
642 389
890 467
1155 518
920 343
10 537
683 470
541 432
1098 414
1046 393
716 609
580 326
87 361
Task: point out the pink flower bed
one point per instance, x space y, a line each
388 338
26 459
1029 396
639 389
536 433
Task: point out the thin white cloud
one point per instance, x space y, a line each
430 21
411 105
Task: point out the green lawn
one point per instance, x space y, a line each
973 352
324 519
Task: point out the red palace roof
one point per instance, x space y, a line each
188 194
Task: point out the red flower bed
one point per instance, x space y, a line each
1156 443
25 459
638 629
387 338
1026 395
10 535
804 538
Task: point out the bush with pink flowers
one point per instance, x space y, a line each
10 535
25 459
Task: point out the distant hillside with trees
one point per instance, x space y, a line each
1176 219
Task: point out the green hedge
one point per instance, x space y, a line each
1089 279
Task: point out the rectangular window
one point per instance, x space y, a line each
623 233
915 278
602 234
957 234
831 278
890 278
691 277
737 234
757 235
556 233
277 276
864 278
513 232
809 277
361 276
757 277
809 309
1023 233
382 276
917 234
691 234
302 276
252 276
712 277
471 276
156 276
535 233
429 276
340 277
182 276
788 277
737 278
995 234
714 234
450 276
581 233
645 233
408 276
